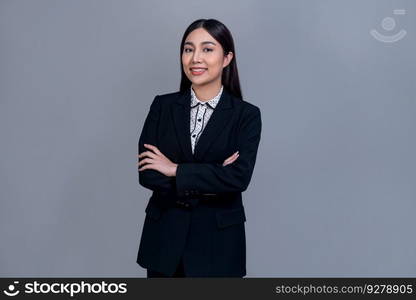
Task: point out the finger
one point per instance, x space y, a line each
235 154
153 148
230 161
147 154
156 150
227 160
233 160
145 161
232 157
149 166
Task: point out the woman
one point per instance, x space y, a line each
197 152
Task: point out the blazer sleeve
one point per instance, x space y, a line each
149 178
200 178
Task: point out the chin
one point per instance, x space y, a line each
201 81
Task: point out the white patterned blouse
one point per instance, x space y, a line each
201 111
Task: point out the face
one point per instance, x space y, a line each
203 58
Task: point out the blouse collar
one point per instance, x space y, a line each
212 102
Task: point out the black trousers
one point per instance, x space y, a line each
178 273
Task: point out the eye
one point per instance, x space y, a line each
186 50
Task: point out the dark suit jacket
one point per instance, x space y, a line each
183 217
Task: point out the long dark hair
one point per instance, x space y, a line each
220 33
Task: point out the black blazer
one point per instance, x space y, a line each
198 214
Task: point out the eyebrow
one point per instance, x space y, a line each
202 43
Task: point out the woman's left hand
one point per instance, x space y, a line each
157 161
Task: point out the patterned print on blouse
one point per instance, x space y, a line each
201 111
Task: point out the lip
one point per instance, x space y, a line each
199 72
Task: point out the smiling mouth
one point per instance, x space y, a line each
197 71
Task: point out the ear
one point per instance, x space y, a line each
227 59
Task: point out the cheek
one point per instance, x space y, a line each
185 68
185 60
214 69
216 65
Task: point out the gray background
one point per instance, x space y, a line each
333 192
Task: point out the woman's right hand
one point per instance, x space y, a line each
231 159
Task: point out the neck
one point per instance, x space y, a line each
208 91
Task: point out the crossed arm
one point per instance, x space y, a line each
158 173
157 161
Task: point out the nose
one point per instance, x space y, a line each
196 57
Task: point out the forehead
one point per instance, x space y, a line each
200 36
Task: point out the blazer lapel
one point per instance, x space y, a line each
218 120
182 118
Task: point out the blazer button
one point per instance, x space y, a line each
186 193
187 205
